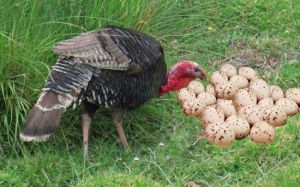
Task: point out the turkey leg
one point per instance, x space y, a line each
87 115
118 117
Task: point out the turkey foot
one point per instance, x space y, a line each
118 117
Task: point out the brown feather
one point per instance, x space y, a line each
44 117
40 124
87 48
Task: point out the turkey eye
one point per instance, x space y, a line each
196 69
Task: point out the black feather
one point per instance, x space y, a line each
110 67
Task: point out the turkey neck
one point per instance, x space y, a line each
175 80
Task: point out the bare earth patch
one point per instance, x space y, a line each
243 55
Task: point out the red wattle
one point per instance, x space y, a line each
178 77
182 82
174 85
163 90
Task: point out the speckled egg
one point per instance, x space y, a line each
252 113
185 94
244 97
275 116
260 87
239 125
240 81
262 133
196 86
276 92
191 184
210 89
287 105
193 107
294 94
265 103
207 98
220 134
226 90
226 106
228 69
217 77
211 114
247 72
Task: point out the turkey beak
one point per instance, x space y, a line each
202 75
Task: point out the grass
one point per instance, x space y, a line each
261 34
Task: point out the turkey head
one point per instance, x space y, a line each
181 74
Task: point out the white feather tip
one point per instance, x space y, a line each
42 138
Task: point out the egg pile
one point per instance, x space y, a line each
238 103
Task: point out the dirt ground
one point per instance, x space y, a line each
266 64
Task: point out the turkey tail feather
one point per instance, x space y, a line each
40 124
44 117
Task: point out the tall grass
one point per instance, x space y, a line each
198 30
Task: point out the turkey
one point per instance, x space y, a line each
109 67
